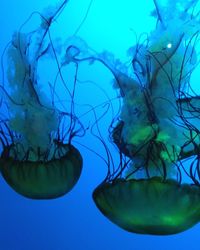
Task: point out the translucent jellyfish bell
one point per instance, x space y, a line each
149 206
43 179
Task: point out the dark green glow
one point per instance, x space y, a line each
149 206
43 180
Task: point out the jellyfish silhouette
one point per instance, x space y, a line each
155 188
38 158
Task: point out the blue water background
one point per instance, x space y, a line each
73 222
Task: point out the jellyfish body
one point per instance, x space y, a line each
149 206
157 130
38 158
43 180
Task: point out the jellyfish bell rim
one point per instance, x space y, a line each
149 206
43 180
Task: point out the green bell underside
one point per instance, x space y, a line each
149 206
43 180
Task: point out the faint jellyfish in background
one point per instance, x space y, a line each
157 133
37 124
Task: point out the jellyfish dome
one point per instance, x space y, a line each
155 188
38 159
149 206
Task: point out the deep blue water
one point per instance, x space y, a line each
73 221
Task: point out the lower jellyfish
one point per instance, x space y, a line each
38 158
153 191
149 206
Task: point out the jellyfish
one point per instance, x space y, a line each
155 187
38 159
